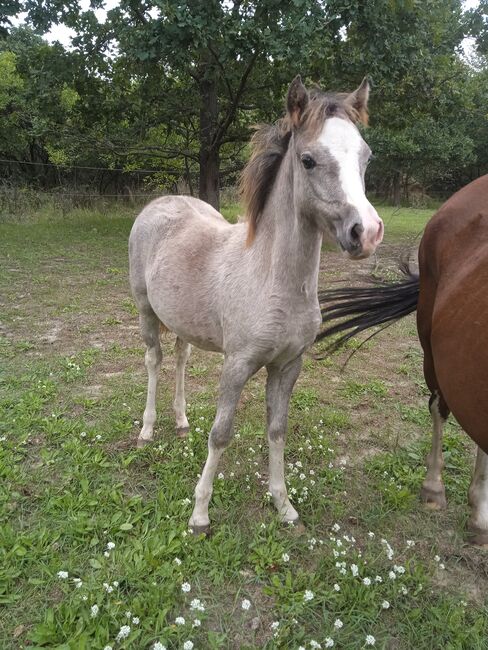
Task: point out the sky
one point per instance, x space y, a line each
64 34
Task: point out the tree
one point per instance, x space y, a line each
201 62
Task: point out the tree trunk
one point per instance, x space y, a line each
397 188
209 151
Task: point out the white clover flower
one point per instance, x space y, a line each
404 590
437 558
314 644
107 647
275 625
441 566
78 582
308 595
106 553
85 597
158 646
115 583
221 478
328 642
354 569
179 620
385 604
338 624
246 604
123 632
196 622
197 604
188 645
378 579
94 610
392 575
371 534
108 588
399 568
128 614
177 561
186 587
336 587
285 557
367 581
410 543
370 640
63 575
136 620
110 546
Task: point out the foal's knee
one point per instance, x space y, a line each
153 357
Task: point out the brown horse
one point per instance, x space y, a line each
450 295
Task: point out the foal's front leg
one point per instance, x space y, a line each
235 373
278 392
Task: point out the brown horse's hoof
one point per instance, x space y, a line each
200 530
433 500
142 442
182 432
478 537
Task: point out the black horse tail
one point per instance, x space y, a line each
359 308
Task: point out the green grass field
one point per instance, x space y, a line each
94 548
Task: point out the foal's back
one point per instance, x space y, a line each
452 312
175 247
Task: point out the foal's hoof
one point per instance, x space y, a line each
142 442
478 536
433 500
182 432
200 530
296 527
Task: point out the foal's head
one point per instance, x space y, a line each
328 158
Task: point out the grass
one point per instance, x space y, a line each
76 496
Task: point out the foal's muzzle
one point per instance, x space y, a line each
360 237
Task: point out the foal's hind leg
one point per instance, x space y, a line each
433 493
182 349
279 387
150 333
478 500
235 373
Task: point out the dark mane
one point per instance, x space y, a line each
269 145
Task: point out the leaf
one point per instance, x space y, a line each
93 562
126 526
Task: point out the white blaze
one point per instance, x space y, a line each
343 142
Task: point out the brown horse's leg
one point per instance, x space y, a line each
478 500
433 493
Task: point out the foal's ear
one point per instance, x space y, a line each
297 100
358 101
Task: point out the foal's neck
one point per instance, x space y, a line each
290 244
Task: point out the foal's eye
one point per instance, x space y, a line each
307 161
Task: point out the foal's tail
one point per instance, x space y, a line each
360 308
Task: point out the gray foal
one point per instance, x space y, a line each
249 290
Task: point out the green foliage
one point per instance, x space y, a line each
176 85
